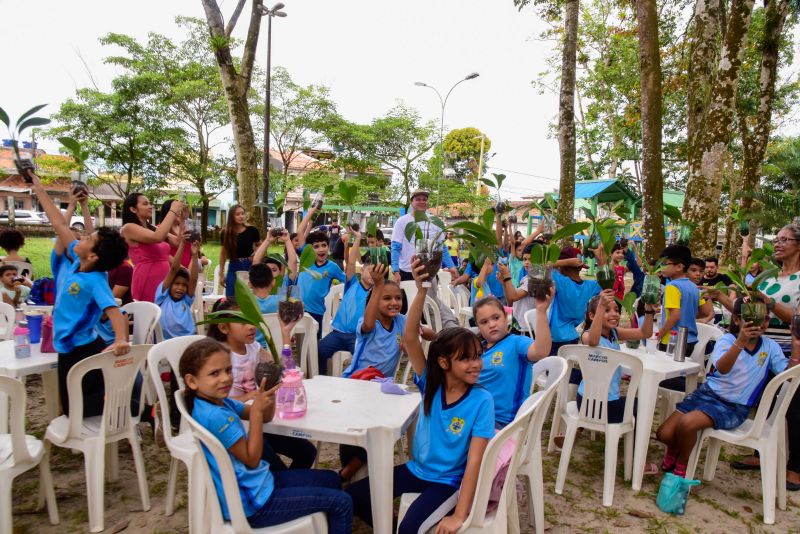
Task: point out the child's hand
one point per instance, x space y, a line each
748 331
449 525
264 401
195 248
542 305
502 271
119 347
606 298
378 272
418 270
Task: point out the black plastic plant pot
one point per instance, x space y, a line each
271 370
540 280
605 277
290 310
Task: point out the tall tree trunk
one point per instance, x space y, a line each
703 54
710 146
236 85
732 242
566 114
754 143
650 73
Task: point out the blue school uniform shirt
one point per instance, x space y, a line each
268 304
613 390
443 437
82 297
379 348
506 374
176 315
106 331
569 306
224 423
313 291
352 307
57 264
492 286
681 293
748 376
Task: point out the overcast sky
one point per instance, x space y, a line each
369 52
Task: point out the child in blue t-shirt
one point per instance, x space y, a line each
455 422
314 287
268 498
83 295
507 358
601 328
175 295
342 336
681 299
742 360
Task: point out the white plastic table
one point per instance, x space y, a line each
657 368
38 363
355 412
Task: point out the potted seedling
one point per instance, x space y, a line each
627 304
25 121
651 286
753 310
540 274
501 206
604 274
249 313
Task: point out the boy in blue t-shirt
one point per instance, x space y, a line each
571 299
314 287
342 336
83 295
175 295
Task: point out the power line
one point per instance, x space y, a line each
526 174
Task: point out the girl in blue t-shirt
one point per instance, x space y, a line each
601 328
742 360
456 422
507 357
268 498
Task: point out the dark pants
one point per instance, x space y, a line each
235 265
92 385
434 497
615 408
317 318
334 342
347 453
300 451
302 492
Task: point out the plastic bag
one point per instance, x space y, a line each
47 335
673 493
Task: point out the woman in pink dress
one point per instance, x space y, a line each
148 246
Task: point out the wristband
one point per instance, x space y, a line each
795 360
175 213
735 344
506 279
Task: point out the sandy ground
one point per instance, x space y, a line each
731 503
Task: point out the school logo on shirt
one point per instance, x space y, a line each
762 357
74 288
226 425
456 425
497 357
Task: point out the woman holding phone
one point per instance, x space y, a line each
238 243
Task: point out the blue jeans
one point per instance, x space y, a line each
436 500
234 266
302 492
334 342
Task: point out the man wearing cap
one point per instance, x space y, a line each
403 249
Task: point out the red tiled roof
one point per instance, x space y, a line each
60 185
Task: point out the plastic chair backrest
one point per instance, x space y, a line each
598 366
146 316
409 288
444 278
553 369
555 372
783 386
705 333
530 322
119 373
308 350
230 486
516 430
15 391
198 312
170 350
432 314
447 296
462 296
332 301
23 268
8 317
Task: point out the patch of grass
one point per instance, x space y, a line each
746 495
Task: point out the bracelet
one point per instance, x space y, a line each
506 279
175 213
795 360
735 344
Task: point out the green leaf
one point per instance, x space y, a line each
73 146
411 229
33 121
537 255
307 257
607 238
436 221
4 118
488 182
627 303
569 231
765 275
247 301
588 213
499 179
488 218
553 252
277 285
279 258
27 114
673 214
306 200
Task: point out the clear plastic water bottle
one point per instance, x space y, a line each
22 343
290 401
286 357
673 342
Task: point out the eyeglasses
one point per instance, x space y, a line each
784 240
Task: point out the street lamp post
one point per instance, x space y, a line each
443 102
275 11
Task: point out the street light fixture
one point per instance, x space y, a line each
275 11
443 102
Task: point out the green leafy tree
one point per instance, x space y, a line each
463 150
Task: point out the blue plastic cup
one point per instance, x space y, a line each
35 326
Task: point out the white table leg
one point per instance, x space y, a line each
648 394
50 389
380 453
691 382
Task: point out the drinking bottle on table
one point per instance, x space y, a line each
290 401
286 357
673 339
22 344
680 344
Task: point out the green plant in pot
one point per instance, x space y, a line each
754 310
249 313
606 230
291 309
543 257
626 303
25 121
374 255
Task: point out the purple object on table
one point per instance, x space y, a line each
388 386
35 326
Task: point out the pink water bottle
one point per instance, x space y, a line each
22 344
290 400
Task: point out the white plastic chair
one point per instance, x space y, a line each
505 519
19 453
8 316
94 436
530 322
462 296
766 433
23 268
146 317
339 362
670 397
432 315
238 524
332 301
550 373
308 349
198 309
598 365
409 289
181 446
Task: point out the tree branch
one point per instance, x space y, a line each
250 45
234 18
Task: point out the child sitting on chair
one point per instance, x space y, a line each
314 287
175 295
